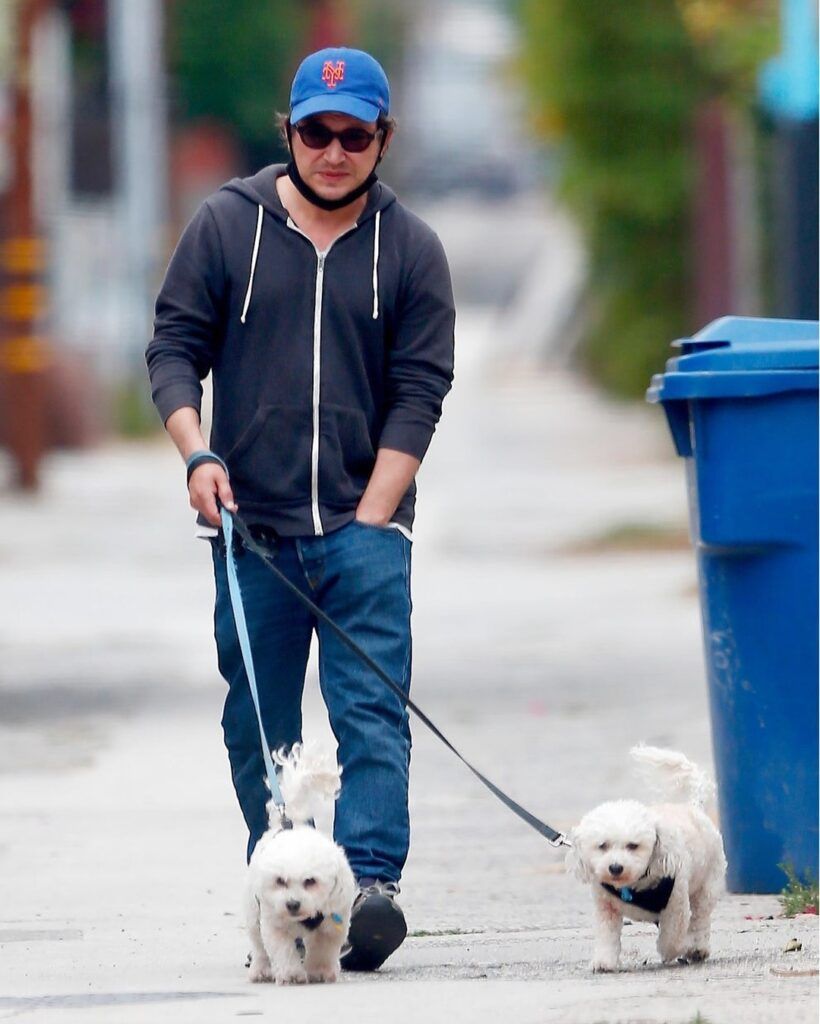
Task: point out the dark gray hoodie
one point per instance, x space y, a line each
318 359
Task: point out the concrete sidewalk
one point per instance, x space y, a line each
544 648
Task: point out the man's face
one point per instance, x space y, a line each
332 172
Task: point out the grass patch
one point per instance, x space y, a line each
635 537
800 895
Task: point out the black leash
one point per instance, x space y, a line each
553 837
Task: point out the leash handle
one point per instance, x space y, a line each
550 834
247 656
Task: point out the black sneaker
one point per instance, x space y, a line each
377 926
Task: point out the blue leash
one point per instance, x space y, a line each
247 657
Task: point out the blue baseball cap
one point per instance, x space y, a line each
339 80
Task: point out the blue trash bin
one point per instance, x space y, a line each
741 401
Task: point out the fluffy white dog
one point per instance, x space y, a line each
300 888
661 863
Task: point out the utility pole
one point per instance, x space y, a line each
135 35
24 349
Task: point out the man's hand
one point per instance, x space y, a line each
392 475
209 482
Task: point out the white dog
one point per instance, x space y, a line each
300 887
661 863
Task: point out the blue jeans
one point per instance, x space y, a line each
360 577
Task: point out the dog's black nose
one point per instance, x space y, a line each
293 906
616 869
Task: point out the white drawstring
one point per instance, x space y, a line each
256 241
376 267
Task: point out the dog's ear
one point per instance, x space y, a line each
574 862
343 891
666 859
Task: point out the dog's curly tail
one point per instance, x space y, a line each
672 775
309 778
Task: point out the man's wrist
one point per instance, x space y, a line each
368 520
374 512
199 457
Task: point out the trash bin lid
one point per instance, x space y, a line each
742 356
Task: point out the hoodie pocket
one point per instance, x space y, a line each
346 455
270 461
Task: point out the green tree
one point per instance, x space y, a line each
234 62
614 87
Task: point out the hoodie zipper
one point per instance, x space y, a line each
321 257
317 383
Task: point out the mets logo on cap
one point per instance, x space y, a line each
332 73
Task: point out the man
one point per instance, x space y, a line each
323 309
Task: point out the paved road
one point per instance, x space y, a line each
542 648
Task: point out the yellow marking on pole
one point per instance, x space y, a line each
23 255
25 354
22 302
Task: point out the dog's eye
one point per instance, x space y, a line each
632 846
281 883
603 846
309 883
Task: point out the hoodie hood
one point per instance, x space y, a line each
260 189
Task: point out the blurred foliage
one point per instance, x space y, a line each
733 39
132 412
235 66
613 87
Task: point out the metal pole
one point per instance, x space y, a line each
138 120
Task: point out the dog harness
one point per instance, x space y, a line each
312 923
654 900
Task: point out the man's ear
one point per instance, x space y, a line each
666 860
388 135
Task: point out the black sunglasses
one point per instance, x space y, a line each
315 135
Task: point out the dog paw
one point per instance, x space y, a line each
696 956
669 954
291 978
603 966
327 973
324 974
259 971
